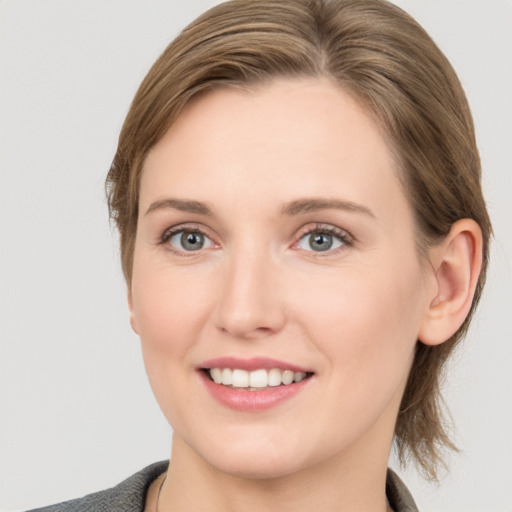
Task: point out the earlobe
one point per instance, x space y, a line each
457 263
133 321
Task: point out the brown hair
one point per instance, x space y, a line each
378 53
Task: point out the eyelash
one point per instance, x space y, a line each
343 236
188 228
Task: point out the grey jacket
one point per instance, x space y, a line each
130 495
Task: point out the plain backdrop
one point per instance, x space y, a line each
77 414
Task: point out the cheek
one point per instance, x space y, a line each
366 324
167 305
169 310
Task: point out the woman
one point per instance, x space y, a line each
304 239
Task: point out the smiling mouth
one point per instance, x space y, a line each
255 380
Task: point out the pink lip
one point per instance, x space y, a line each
250 365
252 401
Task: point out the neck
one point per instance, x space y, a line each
333 485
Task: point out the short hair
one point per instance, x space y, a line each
381 56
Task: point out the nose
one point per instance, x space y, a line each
250 300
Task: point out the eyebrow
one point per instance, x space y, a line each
293 208
183 205
307 205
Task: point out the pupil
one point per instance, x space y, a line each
321 242
192 241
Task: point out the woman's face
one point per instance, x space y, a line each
274 239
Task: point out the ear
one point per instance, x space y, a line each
456 264
133 321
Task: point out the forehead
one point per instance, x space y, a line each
286 139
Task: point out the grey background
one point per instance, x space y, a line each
76 412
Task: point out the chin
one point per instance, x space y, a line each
258 467
252 457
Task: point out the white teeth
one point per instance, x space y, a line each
227 376
257 379
287 377
240 379
216 374
298 376
274 377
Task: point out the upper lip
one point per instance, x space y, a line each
254 363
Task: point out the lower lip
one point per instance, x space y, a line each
252 401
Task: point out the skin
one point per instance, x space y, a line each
352 315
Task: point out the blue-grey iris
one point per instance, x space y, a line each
320 242
192 241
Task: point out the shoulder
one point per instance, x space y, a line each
398 495
127 496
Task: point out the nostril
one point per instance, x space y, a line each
244 330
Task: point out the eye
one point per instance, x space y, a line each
188 240
323 239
